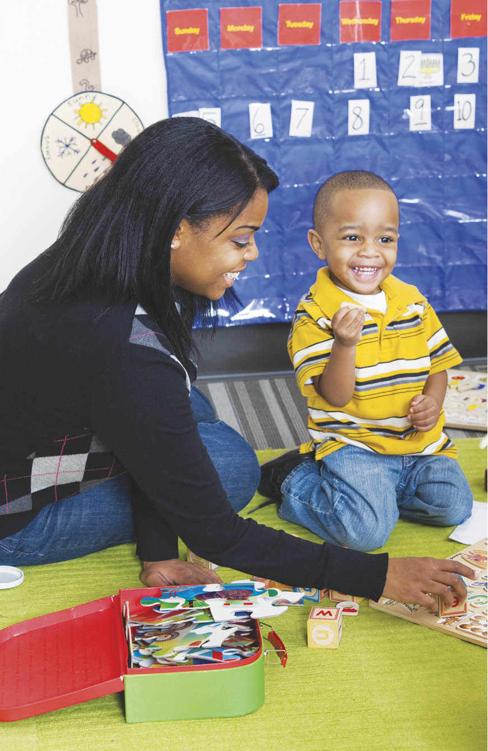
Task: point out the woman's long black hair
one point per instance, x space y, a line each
115 241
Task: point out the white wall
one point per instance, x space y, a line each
35 78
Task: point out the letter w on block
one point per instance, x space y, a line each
324 628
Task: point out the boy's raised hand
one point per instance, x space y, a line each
347 324
414 580
424 412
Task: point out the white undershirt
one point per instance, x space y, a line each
373 302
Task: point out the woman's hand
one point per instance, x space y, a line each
174 571
416 579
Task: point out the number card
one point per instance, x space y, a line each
189 113
431 69
420 112
358 117
365 70
468 67
464 111
211 115
409 68
260 121
301 118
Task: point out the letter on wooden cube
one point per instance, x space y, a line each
457 608
335 596
324 628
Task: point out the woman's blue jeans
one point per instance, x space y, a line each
101 517
354 497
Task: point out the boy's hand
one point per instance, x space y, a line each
424 412
347 324
416 579
167 573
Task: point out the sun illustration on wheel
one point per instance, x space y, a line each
84 135
90 113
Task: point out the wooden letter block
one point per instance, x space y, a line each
324 628
313 594
335 596
457 607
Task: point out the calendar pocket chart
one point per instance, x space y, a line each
397 87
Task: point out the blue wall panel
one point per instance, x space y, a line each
439 174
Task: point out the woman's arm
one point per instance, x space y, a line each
157 548
141 409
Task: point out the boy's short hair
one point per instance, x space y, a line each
351 180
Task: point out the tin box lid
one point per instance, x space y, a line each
62 658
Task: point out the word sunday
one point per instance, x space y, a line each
187 30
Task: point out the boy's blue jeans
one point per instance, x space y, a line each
102 516
354 497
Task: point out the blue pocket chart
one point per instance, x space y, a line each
393 86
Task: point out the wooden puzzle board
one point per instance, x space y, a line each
465 402
473 625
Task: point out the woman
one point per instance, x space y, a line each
102 438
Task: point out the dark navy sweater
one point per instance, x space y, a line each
90 389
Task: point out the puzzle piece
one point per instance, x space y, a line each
308 593
160 604
216 635
266 605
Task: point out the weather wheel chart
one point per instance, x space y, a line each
84 135
394 86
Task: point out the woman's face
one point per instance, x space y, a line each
207 260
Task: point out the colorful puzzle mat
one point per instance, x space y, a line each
471 626
465 402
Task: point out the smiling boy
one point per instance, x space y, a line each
370 356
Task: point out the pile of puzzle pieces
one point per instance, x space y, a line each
201 624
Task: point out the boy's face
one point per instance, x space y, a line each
358 237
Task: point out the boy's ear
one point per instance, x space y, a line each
317 244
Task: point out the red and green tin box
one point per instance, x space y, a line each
81 653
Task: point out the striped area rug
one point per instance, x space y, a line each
269 411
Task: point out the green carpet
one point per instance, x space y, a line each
391 686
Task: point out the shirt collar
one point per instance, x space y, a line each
329 297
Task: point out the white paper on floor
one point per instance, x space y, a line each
474 528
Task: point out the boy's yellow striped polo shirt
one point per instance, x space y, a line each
397 352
